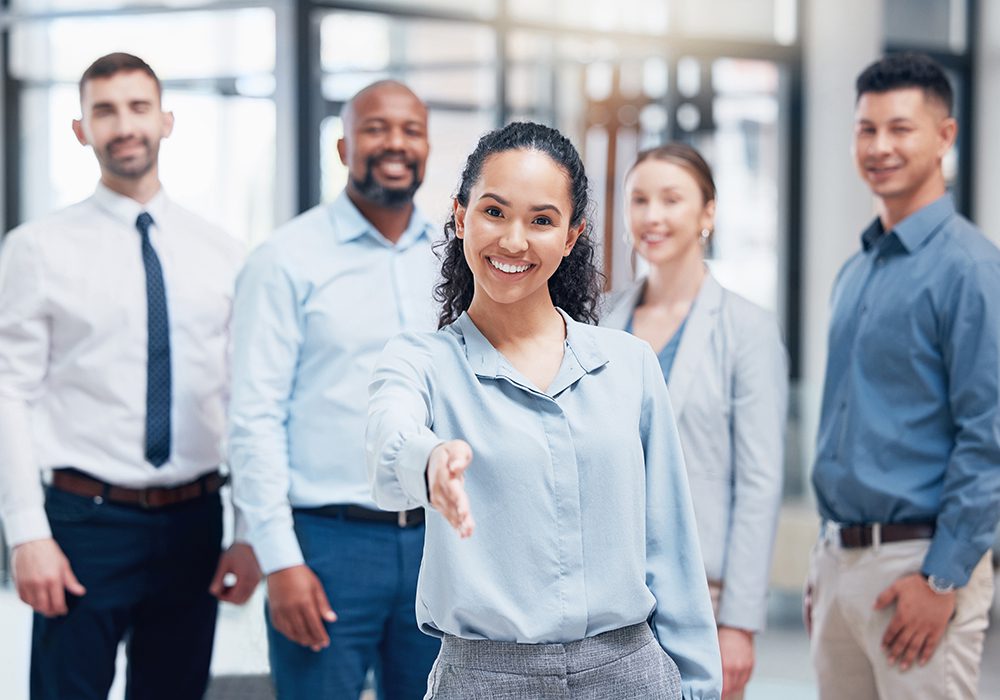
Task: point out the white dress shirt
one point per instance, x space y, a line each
73 349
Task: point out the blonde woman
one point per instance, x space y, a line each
727 375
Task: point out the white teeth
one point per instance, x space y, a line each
653 237
510 269
394 167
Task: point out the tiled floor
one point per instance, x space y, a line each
783 668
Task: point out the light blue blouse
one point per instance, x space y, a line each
584 521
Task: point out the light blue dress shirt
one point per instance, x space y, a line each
314 307
910 425
584 522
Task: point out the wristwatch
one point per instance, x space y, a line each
940 586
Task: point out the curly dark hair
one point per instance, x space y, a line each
576 285
907 69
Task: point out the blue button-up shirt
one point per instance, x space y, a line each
584 521
910 425
314 307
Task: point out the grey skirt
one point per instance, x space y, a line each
624 664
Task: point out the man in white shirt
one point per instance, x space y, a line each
114 320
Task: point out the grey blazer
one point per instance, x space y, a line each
729 390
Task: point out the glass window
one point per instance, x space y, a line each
442 61
745 150
929 24
219 161
770 21
480 8
645 16
216 44
29 6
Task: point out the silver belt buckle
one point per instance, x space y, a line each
831 533
401 521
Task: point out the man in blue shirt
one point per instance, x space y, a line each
313 308
907 473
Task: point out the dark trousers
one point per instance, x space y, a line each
369 573
147 575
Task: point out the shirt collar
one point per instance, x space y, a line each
913 231
127 210
350 224
486 361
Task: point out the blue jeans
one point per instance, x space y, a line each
147 575
369 573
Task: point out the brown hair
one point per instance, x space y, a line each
686 157
114 63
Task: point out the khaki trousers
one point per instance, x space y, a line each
847 631
715 590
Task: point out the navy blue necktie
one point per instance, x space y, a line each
158 349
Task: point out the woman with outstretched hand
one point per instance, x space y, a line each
561 556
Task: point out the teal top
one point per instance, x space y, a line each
669 352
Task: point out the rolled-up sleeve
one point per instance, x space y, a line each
968 516
675 572
267 337
24 352
399 439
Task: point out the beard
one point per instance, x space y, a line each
389 197
131 168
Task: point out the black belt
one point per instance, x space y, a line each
855 536
403 518
76 482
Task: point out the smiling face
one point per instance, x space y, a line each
385 145
900 138
516 229
666 211
123 121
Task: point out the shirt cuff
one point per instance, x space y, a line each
276 548
241 531
26 526
412 466
950 559
741 614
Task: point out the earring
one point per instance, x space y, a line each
705 235
627 237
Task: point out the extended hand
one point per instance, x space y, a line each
920 620
299 606
42 575
446 479
736 646
239 563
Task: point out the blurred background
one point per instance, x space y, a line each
763 87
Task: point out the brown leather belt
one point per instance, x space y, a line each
80 484
403 518
855 536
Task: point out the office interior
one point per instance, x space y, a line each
764 88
